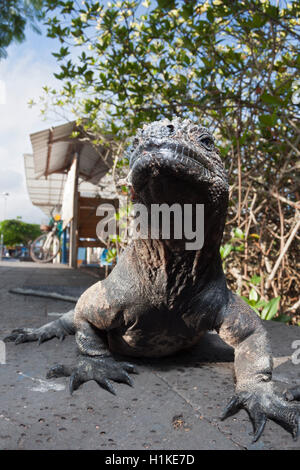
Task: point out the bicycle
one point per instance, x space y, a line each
46 247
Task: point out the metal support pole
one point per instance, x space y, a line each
64 259
1 244
73 248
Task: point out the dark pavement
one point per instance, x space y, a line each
175 402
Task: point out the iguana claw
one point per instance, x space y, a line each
44 333
292 393
261 404
100 369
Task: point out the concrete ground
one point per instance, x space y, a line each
175 403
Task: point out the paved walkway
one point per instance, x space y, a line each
175 403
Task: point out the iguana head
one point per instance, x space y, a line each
175 161
177 151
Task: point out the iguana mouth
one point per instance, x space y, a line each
175 151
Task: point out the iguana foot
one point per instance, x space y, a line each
44 333
262 403
292 394
59 328
102 369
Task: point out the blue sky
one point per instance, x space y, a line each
28 67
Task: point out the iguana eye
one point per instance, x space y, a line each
134 144
207 142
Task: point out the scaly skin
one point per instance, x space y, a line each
161 297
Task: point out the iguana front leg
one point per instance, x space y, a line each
94 316
242 329
59 328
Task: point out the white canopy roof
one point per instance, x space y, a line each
53 152
54 148
47 193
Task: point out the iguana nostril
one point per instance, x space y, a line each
171 128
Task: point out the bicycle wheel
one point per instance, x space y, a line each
39 253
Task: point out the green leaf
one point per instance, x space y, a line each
267 98
238 233
270 309
187 10
166 4
115 238
253 295
225 250
210 15
257 21
273 11
111 255
267 120
255 279
243 138
224 150
240 247
261 303
88 75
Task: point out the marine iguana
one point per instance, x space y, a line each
160 297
